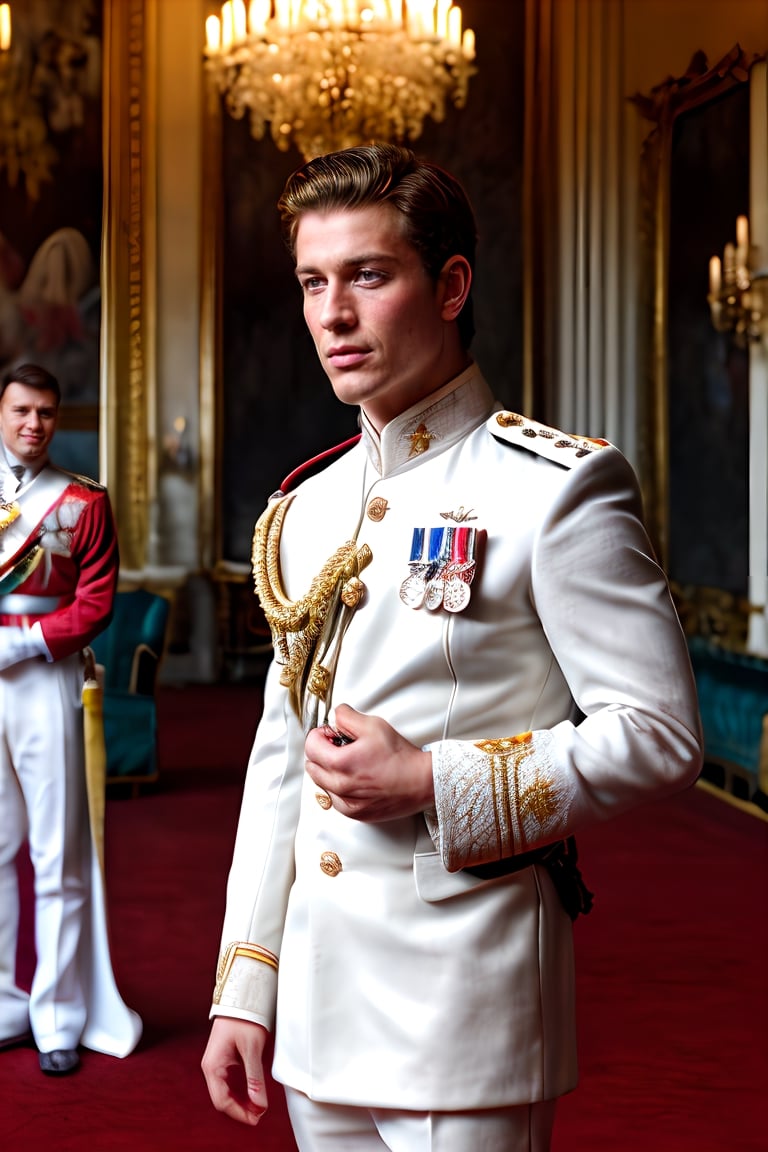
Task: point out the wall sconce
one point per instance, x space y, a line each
738 292
177 450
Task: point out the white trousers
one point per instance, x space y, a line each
320 1127
43 799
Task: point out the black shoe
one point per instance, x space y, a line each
60 1062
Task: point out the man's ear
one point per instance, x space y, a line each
455 280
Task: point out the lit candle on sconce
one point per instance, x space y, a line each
742 242
715 276
454 26
227 25
441 18
213 34
729 263
5 27
736 294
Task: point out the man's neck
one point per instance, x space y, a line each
32 467
378 418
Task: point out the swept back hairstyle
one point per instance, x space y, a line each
33 376
438 217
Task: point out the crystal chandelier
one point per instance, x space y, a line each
329 74
738 292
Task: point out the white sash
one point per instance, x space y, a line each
35 501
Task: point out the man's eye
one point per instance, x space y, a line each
368 275
311 284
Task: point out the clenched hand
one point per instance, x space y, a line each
378 776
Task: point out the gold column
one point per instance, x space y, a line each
127 418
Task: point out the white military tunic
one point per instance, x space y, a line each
403 981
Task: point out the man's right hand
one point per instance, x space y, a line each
233 1068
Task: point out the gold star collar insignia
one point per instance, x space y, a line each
420 440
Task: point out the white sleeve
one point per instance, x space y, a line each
608 616
262 867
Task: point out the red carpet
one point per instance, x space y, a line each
672 978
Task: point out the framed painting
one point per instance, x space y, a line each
703 438
693 416
74 246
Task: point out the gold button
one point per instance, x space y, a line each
377 509
323 800
352 592
330 864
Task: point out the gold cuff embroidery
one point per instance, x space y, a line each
496 798
231 953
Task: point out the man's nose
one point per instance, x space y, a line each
337 310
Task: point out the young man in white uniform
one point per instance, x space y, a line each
58 573
476 656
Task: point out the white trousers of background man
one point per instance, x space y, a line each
43 798
321 1127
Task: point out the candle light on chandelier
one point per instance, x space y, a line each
5 27
328 74
738 292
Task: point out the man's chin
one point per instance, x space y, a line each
349 391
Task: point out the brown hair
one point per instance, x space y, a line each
438 217
32 376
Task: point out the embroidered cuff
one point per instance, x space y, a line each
494 798
246 979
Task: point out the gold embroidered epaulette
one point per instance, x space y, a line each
561 447
83 481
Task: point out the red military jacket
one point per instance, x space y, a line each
58 543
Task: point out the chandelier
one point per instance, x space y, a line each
738 293
329 74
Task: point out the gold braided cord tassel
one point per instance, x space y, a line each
297 626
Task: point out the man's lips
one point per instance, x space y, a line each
346 356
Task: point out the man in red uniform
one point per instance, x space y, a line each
58 574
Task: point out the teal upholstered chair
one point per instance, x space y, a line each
733 701
130 650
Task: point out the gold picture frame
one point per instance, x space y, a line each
77 252
663 106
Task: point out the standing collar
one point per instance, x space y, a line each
430 426
31 469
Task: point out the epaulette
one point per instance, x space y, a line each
310 467
84 481
561 447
